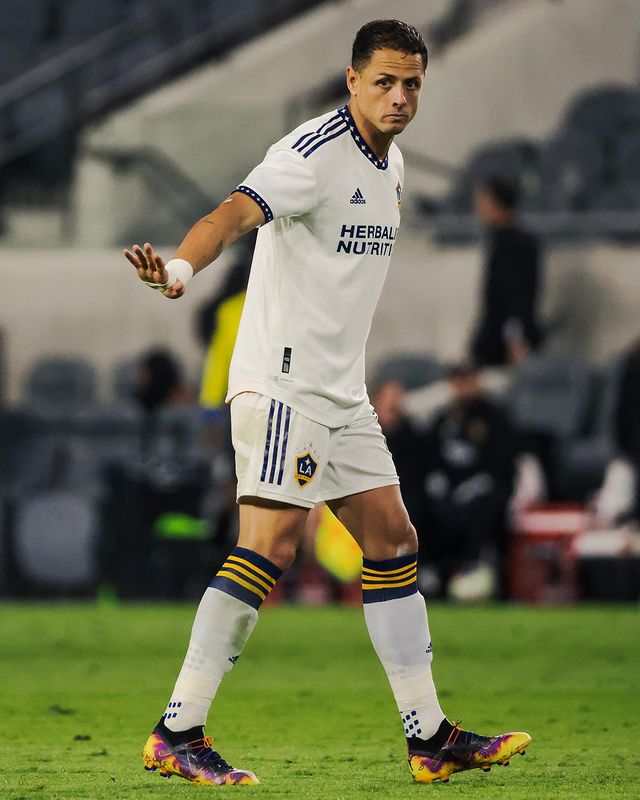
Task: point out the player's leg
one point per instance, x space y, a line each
267 544
371 508
226 616
396 617
272 518
395 612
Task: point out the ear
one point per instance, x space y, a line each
353 81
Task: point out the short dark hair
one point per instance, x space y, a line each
391 33
505 192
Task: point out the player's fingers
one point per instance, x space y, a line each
136 252
149 255
131 258
146 271
160 270
142 258
157 277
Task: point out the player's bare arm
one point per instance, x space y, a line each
208 237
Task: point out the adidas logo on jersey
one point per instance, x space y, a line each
357 198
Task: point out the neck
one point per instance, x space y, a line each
377 141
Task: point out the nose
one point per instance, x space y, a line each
398 96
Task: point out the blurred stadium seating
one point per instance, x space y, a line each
410 370
588 165
61 67
85 463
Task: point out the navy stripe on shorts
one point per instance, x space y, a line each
275 448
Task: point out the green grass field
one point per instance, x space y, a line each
308 707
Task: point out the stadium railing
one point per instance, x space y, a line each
122 62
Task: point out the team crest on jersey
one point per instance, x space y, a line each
306 466
399 194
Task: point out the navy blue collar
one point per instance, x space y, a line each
358 138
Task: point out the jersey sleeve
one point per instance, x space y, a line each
283 185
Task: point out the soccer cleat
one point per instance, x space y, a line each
465 750
195 761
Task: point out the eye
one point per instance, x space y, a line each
384 82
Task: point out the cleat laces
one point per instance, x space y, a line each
460 744
206 757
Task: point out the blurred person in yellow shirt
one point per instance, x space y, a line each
217 328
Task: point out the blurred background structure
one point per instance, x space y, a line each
520 239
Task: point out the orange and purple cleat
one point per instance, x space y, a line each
461 751
194 760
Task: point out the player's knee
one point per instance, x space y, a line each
272 532
400 532
279 550
283 553
396 539
403 538
407 539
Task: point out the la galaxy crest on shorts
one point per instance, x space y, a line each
306 465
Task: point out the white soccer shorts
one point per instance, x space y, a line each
282 455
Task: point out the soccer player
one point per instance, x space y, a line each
327 198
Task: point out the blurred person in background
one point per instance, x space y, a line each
217 326
233 284
403 441
507 329
159 382
618 501
468 468
3 367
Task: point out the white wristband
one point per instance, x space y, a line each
179 270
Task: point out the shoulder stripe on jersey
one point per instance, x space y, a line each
313 133
305 148
319 136
324 140
266 210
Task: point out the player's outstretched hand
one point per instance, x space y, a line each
152 271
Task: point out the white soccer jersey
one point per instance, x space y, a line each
332 210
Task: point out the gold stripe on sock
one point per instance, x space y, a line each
230 565
246 563
405 574
224 574
388 573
